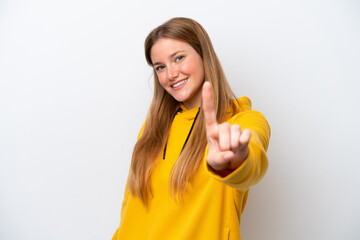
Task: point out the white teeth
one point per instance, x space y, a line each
179 83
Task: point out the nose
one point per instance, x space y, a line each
172 72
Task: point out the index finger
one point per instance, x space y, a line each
208 105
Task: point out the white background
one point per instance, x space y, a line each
75 89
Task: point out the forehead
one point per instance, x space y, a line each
164 47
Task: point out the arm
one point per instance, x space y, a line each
126 192
234 156
254 166
123 206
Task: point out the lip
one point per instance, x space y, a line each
179 87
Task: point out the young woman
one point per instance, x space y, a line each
199 150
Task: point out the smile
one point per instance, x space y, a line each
179 83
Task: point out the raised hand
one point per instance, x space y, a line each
228 144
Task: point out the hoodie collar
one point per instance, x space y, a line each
188 114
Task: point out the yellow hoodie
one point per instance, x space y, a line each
212 205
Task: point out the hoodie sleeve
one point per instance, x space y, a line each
126 192
123 206
255 165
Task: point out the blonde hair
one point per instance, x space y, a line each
163 107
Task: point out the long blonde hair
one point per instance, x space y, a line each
163 106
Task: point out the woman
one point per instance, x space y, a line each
199 150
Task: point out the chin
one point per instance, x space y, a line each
180 99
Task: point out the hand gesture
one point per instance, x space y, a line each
228 144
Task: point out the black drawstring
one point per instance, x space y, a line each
178 110
188 136
192 126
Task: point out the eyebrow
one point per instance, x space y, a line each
171 56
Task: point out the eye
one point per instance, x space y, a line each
179 58
159 68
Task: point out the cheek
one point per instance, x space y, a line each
195 68
202 73
188 68
161 79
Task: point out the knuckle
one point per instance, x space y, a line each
234 144
236 127
224 126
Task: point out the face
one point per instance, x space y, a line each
180 70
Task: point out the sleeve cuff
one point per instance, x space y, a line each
236 176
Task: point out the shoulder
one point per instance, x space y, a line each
251 119
243 109
243 103
142 129
245 113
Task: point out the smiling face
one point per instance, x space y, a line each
180 70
